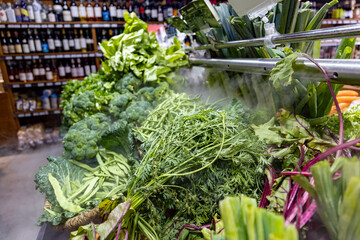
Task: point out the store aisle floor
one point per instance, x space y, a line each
20 203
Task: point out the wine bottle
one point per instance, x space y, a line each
82 11
54 70
42 74
136 8
147 11
66 12
87 67
93 66
37 41
82 42
65 41
80 68
30 10
67 69
50 41
160 14
51 15
74 69
77 41
170 10
61 70
142 12
4 44
24 12
58 42
89 42
74 9
124 10
48 71
105 12
58 10
31 42
71 41
10 13
98 11
130 7
37 11
112 9
154 12
11 44
11 71
18 48
36 72
25 44
3 16
90 12
22 74
17 10
28 72
44 43
119 12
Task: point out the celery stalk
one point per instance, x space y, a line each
284 16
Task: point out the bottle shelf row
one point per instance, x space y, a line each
42 83
340 21
36 113
54 55
69 24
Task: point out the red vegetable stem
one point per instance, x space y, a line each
329 152
341 120
294 173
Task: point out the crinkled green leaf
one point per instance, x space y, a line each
281 74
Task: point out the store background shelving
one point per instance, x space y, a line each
92 26
16 118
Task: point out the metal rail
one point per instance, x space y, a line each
313 35
344 71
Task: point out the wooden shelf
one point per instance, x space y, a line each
46 54
36 113
333 22
92 24
40 83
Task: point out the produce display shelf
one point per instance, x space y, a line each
47 54
40 83
334 43
340 21
92 24
308 36
343 71
36 113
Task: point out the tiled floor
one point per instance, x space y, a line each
20 203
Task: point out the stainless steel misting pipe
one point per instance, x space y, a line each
344 71
313 35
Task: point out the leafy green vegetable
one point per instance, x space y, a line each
138 51
81 141
118 138
60 197
192 154
106 228
244 220
72 187
68 175
336 199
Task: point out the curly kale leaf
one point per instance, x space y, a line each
81 141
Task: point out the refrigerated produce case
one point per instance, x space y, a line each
341 71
